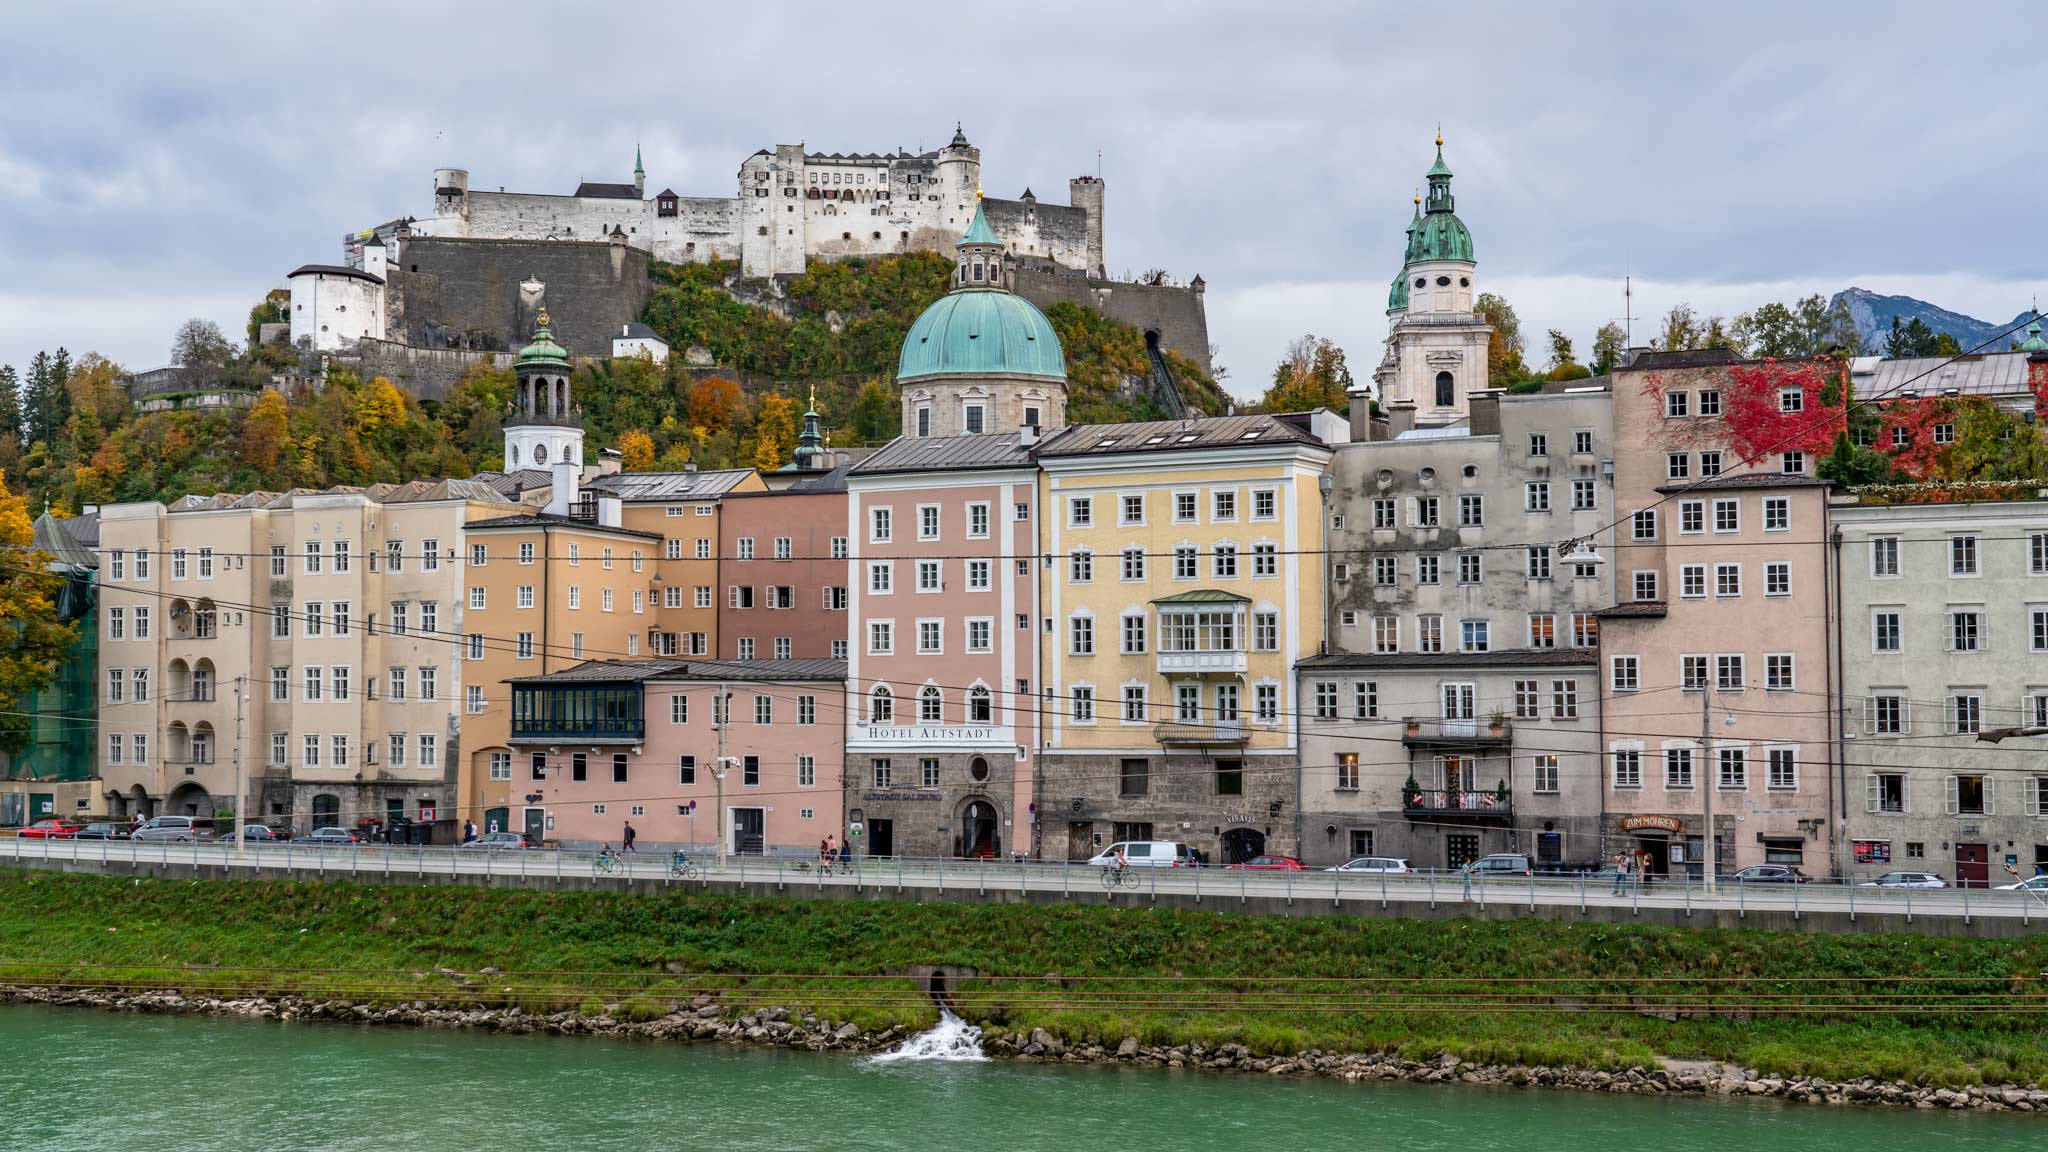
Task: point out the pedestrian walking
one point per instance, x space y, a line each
630 835
1465 874
1620 871
469 831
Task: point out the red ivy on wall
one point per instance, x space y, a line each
1754 419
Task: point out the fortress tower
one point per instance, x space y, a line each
1436 346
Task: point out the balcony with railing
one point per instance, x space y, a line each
1185 732
1429 732
1455 806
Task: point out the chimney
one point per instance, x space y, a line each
562 492
609 509
1027 435
1359 403
1400 418
1631 355
1484 405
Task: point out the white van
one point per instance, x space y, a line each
1146 854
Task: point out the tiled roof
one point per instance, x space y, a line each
634 486
591 188
1172 435
639 331
513 483
615 671
542 520
1687 358
946 454
1499 658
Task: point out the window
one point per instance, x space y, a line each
881 578
1223 506
141 617
1962 555
703 542
1777 514
1643 524
880 770
1728 673
2037 554
1884 630
1528 700
1710 402
1134 629
501 765
1887 713
1081 567
1710 464
2038 617
399 679
1584 495
1692 517
1020 512
1676 404
976 420
1778 578
1781 768
1536 496
1678 768
1692 672
1471 511
1326 700
1265 631
1473 635
526 596
340 747
1470 568
1727 515
1429 634
1542 630
1386 634
476 646
1539 562
1081 512
881 705
928 578
1265 560
141 573
1134 703
1734 768
1543 773
1969 795
1365 700
981 635
977 578
1427 568
117 623
1564 699
309 752
1628 768
277 562
1183 562
1792 463
879 525
1383 513
881 637
1885 792
1224 560
1727 580
312 557
340 681
1265 504
930 637
1426 512
703 596
1692 581
1083 703
314 679
1347 771
1646 584
1081 635
1965 630
1677 465
1778 672
1383 571
1266 703
1133 777
1624 674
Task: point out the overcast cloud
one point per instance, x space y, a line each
162 161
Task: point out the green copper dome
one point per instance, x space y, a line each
1397 297
2034 343
1440 235
543 352
978 232
981 332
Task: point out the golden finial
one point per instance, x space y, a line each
541 321
814 396
1439 135
1418 194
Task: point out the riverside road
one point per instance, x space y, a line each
1805 907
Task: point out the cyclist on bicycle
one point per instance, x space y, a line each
1121 861
606 858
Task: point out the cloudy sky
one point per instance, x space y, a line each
165 161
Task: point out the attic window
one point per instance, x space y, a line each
1253 434
1190 438
1157 439
1109 443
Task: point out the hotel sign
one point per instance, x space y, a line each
979 736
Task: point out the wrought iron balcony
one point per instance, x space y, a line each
1425 733
1220 732
1446 805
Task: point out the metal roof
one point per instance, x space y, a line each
636 486
54 536
624 671
1173 435
945 454
639 331
1500 657
334 270
1748 480
1990 374
1204 596
542 520
591 188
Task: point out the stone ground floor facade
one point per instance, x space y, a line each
1226 803
413 805
919 802
1673 843
1972 849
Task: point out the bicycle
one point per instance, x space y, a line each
680 867
1114 877
606 862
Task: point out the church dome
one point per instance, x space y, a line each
981 332
543 352
1442 236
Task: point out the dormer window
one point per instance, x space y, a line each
977 271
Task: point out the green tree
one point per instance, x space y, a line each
1909 340
1311 374
10 402
774 431
274 308
1504 347
1610 344
201 343
1682 330
876 418
1945 345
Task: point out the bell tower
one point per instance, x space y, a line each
544 428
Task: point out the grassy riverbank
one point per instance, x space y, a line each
1835 1006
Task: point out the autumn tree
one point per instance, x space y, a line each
201 343
1610 344
265 432
1504 347
636 451
1311 374
1682 330
33 645
714 402
775 428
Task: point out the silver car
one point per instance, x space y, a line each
175 828
1906 880
1374 865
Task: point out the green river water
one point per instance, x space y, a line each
87 1081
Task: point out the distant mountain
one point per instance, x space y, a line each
1873 315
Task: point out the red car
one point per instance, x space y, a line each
1271 864
49 830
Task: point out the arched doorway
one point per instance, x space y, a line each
138 802
980 834
189 799
1242 844
326 810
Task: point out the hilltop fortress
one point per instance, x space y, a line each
792 206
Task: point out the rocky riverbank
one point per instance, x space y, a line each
704 1019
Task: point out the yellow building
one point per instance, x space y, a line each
1183 578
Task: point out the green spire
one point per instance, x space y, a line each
2034 343
979 232
637 169
543 350
809 443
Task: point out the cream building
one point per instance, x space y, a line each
296 649
1182 580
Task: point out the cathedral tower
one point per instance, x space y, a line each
1436 347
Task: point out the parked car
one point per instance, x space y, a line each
49 830
1770 874
103 832
490 841
264 834
1373 865
324 837
1502 864
1271 864
2030 884
1146 854
175 828
1906 880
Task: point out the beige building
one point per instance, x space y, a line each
296 649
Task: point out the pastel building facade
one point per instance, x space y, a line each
660 744
1182 582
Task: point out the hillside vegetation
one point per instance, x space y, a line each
1839 1006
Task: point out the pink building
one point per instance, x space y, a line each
940 749
639 742
783 570
1721 577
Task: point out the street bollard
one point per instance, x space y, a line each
981 878
1288 886
1198 884
942 873
1155 885
1795 902
1432 888
1582 892
1966 903
1532 889
1066 886
1852 902
1383 891
1240 885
